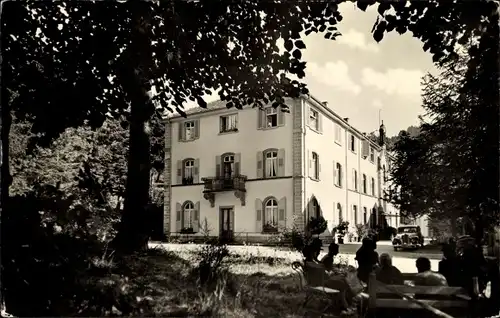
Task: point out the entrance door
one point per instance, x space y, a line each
226 223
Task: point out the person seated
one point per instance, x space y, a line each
449 265
426 277
387 273
367 259
327 260
314 271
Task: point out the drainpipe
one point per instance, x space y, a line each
346 168
305 162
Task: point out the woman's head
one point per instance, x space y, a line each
368 243
385 260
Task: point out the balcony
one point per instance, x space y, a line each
223 184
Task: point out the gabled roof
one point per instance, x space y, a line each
215 105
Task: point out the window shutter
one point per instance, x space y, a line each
260 168
181 133
334 172
309 170
319 166
196 171
320 122
179 171
281 162
340 176
281 116
237 164
196 217
260 118
217 166
258 213
197 128
308 119
366 148
282 214
178 217
353 185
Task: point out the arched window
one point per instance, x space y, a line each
314 208
315 165
373 186
338 171
188 215
271 163
365 215
339 211
271 214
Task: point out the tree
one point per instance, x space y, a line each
103 58
449 171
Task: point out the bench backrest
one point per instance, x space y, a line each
458 297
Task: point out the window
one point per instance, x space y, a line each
188 172
228 123
352 144
188 215
385 177
228 166
364 183
314 208
372 186
355 213
271 215
372 154
315 166
365 215
338 176
339 211
313 119
338 134
271 117
271 164
189 130
354 179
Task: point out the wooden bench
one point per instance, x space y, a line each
456 297
333 296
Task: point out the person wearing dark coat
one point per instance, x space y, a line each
367 259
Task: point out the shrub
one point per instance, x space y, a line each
342 228
211 264
316 226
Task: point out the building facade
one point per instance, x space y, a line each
251 173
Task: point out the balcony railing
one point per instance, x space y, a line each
218 184
223 183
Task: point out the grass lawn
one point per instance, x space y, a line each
160 282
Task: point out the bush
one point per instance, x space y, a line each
316 226
211 264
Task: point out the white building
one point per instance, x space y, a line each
251 172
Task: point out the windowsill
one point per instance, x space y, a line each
315 130
338 143
314 179
188 140
270 128
228 132
353 151
338 186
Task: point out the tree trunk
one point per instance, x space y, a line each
8 269
133 233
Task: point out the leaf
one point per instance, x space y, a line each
322 28
328 35
297 54
288 45
300 44
383 6
378 35
362 4
201 102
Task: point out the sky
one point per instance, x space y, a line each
360 78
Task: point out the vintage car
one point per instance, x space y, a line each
408 236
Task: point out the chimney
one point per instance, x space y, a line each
325 103
346 119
